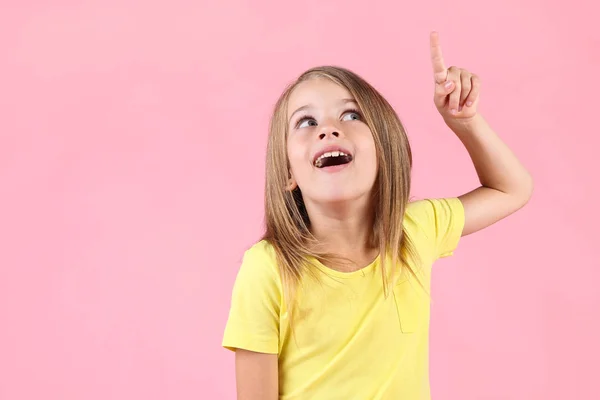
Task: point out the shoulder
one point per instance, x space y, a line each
253 322
435 224
262 250
259 265
428 209
261 254
428 213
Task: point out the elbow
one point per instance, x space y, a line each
525 191
519 193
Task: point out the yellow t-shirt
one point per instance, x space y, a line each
350 342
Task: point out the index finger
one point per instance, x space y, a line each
437 59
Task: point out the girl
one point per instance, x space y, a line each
333 303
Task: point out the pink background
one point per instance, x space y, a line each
132 140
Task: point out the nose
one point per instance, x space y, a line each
323 135
329 132
330 129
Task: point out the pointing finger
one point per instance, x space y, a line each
440 72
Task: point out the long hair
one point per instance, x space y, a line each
287 222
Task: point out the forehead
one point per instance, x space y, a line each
316 92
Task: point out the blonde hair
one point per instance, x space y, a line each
287 222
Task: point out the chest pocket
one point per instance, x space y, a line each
412 306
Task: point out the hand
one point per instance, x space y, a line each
456 89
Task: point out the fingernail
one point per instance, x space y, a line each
469 103
453 111
448 84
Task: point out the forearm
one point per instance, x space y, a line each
497 166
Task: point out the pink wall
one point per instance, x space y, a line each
131 168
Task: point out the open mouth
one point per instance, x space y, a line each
332 158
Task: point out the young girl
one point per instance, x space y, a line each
333 303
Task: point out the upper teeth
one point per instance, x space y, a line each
331 154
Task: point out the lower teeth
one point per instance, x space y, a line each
332 161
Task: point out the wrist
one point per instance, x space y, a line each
466 126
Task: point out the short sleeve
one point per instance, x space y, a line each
253 322
442 221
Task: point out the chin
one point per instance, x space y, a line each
330 196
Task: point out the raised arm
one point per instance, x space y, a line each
506 186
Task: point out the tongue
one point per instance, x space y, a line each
331 161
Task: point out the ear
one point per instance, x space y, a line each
292 184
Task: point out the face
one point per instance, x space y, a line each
330 148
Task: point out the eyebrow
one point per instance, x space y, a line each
308 106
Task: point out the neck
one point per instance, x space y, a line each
344 229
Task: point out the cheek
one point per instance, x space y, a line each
367 148
296 155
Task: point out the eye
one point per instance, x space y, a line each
351 115
306 122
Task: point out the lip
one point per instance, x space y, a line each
329 149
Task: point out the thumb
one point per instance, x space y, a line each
442 90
